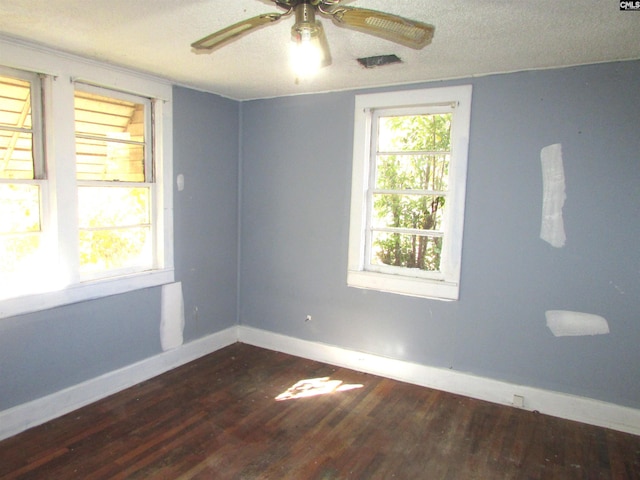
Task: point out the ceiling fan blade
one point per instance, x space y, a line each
410 33
221 37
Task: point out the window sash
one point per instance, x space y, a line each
372 191
145 222
148 141
34 104
409 231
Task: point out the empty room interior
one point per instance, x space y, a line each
319 239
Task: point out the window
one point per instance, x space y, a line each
408 191
114 170
85 182
21 178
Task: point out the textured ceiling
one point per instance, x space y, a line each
473 37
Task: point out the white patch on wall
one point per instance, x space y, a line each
172 316
563 323
553 195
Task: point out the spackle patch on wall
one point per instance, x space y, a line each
553 195
172 316
563 323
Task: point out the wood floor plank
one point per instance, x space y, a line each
218 418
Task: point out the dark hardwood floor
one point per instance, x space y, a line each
217 418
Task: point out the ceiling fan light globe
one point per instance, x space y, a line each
306 58
310 50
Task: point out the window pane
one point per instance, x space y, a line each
16 155
415 133
19 253
111 249
19 227
15 102
110 141
16 138
112 206
109 160
424 212
412 172
103 116
408 251
19 208
115 229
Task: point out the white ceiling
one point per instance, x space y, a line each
473 37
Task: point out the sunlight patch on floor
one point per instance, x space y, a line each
315 386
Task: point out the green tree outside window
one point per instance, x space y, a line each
409 198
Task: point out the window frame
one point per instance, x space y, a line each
404 281
149 181
60 73
38 179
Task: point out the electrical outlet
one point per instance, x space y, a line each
518 401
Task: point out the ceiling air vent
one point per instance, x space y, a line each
378 61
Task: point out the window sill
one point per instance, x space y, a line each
82 292
415 287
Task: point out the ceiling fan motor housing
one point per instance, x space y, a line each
306 26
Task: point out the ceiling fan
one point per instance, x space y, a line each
307 33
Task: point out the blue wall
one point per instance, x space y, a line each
296 173
47 351
206 150
295 160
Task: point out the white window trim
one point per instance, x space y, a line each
446 288
62 71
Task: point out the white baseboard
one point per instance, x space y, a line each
562 405
22 417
